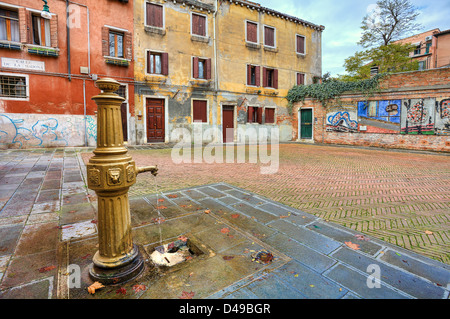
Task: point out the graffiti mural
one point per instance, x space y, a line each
418 116
37 130
380 116
442 125
343 121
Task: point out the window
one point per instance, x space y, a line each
9 25
13 86
269 36
422 65
269 115
199 111
252 32
254 114
41 31
427 48
300 78
157 63
300 44
155 16
270 78
417 50
116 44
253 75
198 26
201 68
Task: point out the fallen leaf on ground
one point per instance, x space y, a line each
207 211
161 200
362 237
84 257
122 291
225 230
428 232
94 221
187 295
284 216
235 215
352 245
138 288
227 257
92 288
161 207
172 196
48 268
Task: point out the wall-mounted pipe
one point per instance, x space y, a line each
68 40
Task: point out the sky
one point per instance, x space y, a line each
342 20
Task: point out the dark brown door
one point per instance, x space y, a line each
228 123
155 120
123 112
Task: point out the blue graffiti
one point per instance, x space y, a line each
43 132
341 118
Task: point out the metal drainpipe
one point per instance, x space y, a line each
85 125
68 40
216 77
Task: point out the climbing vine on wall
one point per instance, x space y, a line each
331 89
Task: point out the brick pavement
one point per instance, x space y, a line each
397 196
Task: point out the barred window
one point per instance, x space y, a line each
13 86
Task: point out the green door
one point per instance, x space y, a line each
306 124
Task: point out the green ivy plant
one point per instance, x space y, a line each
331 89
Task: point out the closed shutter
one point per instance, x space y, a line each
275 79
165 63
249 74
269 115
208 69
195 24
300 79
201 26
154 15
264 77
259 115
300 44
195 67
200 111
269 36
252 32
250 114
258 76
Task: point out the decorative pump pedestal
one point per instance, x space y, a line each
111 172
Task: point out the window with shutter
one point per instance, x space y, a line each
41 31
269 36
9 25
252 32
116 44
270 78
198 24
201 68
300 78
269 115
300 44
155 16
199 111
254 114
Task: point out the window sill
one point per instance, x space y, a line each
155 78
300 55
155 30
41 50
200 38
10 45
253 90
270 49
117 61
270 91
201 82
254 46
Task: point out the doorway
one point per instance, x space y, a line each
228 123
306 124
155 120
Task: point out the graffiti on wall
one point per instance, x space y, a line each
442 125
418 116
380 116
16 132
37 130
342 121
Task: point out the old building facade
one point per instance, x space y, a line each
218 69
49 67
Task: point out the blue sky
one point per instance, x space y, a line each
342 21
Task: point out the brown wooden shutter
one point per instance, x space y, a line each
195 24
105 41
275 79
249 74
300 44
300 79
258 76
195 67
264 77
154 15
29 17
200 111
269 115
200 25
252 32
165 63
250 114
208 69
269 36
259 114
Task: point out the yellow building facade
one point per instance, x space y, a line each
218 69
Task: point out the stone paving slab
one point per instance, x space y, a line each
314 258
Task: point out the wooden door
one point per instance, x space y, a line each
155 120
306 124
228 124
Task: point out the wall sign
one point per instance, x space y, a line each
23 64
